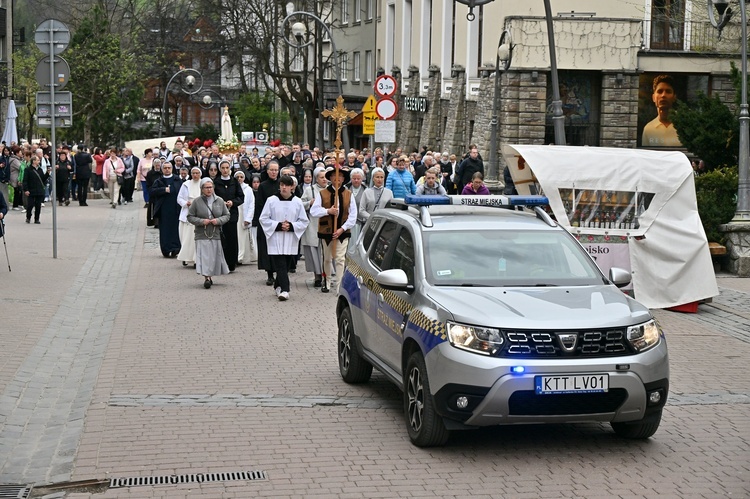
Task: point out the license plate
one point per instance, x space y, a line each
579 383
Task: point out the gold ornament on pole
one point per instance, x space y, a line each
340 115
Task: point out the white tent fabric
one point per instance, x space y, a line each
671 265
10 134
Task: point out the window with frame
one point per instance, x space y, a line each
344 61
667 24
382 245
368 9
368 65
357 68
344 11
357 11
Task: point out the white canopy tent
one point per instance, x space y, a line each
669 257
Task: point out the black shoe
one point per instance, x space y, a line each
37 222
324 290
292 271
207 283
184 264
269 281
83 204
67 202
28 220
318 283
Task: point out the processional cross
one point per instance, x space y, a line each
340 115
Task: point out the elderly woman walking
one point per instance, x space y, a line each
112 174
208 213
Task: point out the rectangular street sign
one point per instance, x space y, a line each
368 122
385 131
63 109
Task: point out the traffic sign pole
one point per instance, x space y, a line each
52 38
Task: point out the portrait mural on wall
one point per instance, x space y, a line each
657 96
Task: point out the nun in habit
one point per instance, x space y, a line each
283 220
164 192
189 192
208 213
244 244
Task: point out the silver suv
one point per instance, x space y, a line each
487 316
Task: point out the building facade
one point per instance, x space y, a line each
608 54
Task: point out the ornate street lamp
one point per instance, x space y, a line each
299 31
504 56
191 82
742 214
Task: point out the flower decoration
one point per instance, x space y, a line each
228 145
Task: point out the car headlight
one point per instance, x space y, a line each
483 340
644 336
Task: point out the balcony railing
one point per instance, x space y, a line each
694 36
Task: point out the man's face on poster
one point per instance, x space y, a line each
664 96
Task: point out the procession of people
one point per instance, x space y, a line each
217 210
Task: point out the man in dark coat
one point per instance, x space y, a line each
266 189
83 161
34 185
164 193
468 168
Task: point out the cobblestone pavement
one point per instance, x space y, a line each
119 364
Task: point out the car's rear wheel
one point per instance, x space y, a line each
638 430
353 368
424 424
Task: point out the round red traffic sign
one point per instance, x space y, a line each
386 108
385 86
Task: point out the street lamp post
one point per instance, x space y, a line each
188 85
299 30
742 214
558 119
504 55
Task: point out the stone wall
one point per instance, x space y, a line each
431 119
408 132
619 115
455 123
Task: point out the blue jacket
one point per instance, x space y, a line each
401 183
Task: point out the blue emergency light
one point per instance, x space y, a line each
498 201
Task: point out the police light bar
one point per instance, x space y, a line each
498 201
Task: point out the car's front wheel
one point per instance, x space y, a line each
638 430
424 424
353 368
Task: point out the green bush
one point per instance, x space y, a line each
717 199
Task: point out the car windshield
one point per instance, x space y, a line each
507 258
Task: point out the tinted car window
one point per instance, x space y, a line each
403 256
383 242
370 233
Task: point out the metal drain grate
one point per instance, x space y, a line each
139 481
15 491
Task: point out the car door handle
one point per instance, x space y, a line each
381 299
359 282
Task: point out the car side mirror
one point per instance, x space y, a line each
619 277
395 280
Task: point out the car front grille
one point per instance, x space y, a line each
528 403
545 344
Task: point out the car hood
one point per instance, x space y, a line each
541 308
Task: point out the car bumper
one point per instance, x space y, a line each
497 396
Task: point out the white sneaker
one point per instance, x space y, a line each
16 209
42 205
125 202
277 291
23 210
283 296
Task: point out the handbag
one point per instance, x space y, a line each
119 180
